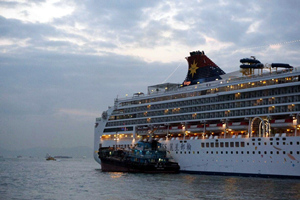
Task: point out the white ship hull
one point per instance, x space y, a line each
265 157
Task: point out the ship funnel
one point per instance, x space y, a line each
201 69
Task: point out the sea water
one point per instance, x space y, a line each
36 178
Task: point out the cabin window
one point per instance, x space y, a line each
217 144
237 144
231 144
212 144
226 144
242 144
202 145
221 144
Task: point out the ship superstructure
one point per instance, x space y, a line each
242 123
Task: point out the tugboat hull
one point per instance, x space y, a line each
110 165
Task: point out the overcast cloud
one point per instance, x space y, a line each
63 62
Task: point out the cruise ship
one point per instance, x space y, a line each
243 123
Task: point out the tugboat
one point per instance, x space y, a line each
145 157
48 157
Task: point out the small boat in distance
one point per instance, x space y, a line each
48 157
145 157
66 157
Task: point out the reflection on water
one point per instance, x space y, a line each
116 174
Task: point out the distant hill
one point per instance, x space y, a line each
75 152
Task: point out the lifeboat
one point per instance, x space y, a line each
175 129
282 123
215 127
196 128
238 125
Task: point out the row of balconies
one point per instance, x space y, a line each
208 115
221 98
215 90
231 105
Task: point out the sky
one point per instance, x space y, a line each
62 63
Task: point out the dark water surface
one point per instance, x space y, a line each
32 178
